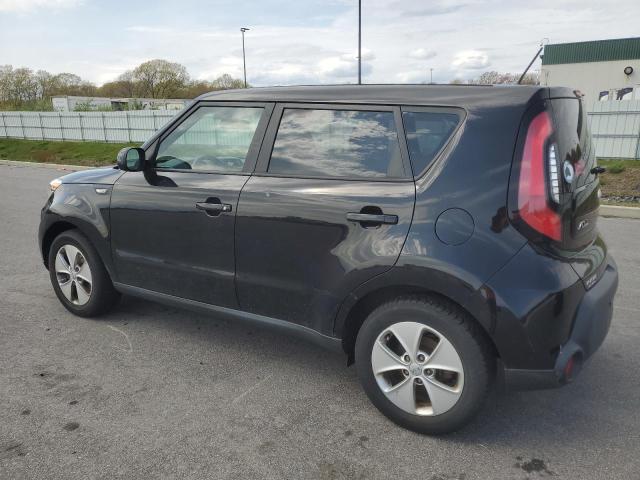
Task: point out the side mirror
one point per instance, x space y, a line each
131 159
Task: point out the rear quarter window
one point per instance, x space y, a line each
427 133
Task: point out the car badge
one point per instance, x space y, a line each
567 171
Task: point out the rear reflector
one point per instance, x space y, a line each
534 193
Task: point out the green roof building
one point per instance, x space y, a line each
602 69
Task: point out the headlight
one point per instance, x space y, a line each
54 184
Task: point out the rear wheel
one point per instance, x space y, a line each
424 364
79 277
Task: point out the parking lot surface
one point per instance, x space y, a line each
155 392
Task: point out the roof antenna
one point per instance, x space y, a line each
542 44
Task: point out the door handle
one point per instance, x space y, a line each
213 208
372 218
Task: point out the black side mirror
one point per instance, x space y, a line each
131 159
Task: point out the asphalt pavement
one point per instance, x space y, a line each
155 392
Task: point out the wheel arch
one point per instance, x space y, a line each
49 236
57 225
356 308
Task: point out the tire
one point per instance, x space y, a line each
89 286
455 391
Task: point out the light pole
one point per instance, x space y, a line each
431 71
359 42
244 61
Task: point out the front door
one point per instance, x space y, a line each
328 208
173 224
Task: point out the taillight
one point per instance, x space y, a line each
538 185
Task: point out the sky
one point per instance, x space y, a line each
301 41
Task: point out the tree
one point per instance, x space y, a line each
160 78
225 82
496 78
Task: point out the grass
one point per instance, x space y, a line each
90 154
621 182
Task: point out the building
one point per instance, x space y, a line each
68 103
602 70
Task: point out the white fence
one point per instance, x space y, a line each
615 127
118 127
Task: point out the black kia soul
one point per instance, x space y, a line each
438 235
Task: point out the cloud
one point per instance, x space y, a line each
26 6
148 29
344 66
422 54
471 60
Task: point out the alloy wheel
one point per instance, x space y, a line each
417 368
73 274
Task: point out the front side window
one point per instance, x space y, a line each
211 138
427 133
336 143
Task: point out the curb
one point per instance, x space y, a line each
619 212
54 166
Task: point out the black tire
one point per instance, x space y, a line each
471 344
103 297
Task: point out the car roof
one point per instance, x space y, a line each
421 95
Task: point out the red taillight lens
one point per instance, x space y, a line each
533 197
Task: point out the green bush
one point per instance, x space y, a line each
616 168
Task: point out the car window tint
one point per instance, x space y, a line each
337 143
211 138
427 133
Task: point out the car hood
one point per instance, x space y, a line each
106 176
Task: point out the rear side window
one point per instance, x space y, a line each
427 133
337 143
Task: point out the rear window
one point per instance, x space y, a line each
337 143
427 133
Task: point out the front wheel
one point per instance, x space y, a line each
79 277
424 364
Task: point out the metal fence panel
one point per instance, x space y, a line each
117 127
615 126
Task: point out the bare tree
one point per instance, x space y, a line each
497 78
226 81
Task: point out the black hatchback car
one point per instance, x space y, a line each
439 236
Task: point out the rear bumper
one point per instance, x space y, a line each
590 327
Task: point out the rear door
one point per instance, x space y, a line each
579 188
328 208
173 224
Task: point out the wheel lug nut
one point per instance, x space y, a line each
428 372
418 381
421 358
406 358
405 372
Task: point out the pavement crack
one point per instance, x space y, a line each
124 335
251 389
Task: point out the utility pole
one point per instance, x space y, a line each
359 42
244 61
431 71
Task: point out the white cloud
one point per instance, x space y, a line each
148 29
422 54
471 60
25 6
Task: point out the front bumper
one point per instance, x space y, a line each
590 327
